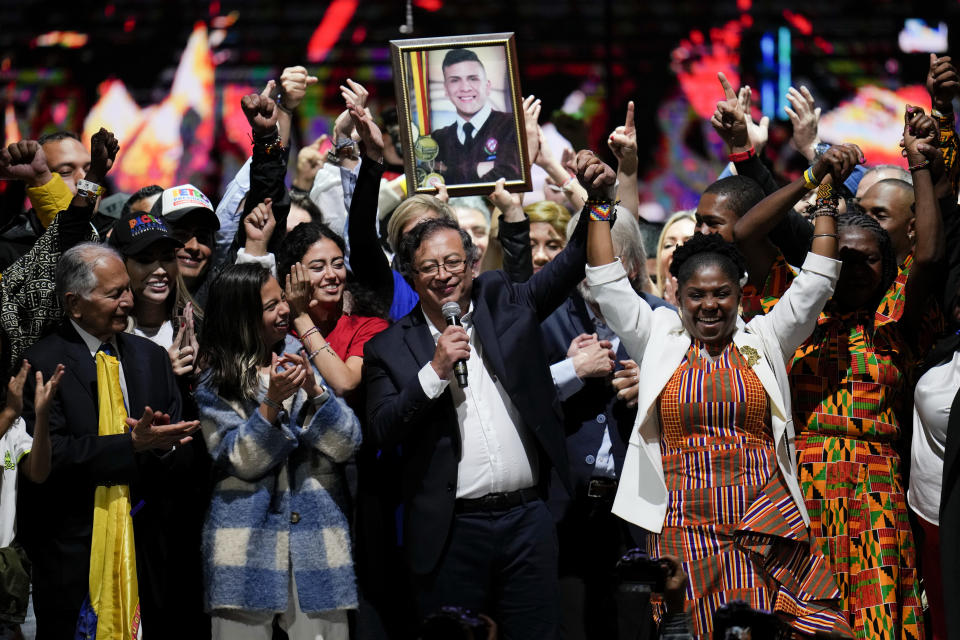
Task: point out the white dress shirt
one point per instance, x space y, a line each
477 120
93 344
495 455
932 398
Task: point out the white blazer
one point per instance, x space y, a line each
657 341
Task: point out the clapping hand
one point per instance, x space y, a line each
154 431
805 118
531 116
370 135
299 290
44 393
185 349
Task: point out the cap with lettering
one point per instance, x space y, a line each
137 231
176 202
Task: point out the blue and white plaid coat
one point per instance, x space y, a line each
278 505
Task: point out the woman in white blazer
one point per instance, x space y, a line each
710 467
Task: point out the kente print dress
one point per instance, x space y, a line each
730 517
846 380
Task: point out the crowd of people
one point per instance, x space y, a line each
337 410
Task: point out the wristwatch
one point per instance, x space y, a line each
321 399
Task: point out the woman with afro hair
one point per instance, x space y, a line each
710 468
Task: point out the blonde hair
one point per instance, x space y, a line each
410 209
556 215
686 214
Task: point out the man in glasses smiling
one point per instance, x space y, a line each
477 456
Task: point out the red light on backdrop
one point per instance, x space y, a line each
798 22
335 20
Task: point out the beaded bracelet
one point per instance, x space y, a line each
826 235
827 210
825 196
810 181
602 210
923 164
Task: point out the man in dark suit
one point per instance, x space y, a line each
56 518
476 457
481 146
599 411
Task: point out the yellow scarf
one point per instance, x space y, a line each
113 563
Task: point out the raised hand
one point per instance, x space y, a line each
942 82
15 389
299 290
258 226
623 143
44 393
757 132
309 162
103 151
728 119
370 135
261 111
805 118
354 94
293 86
151 431
920 136
596 177
510 204
531 116
25 161
839 162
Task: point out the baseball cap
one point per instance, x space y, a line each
177 202
112 205
137 231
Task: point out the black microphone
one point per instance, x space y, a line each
451 313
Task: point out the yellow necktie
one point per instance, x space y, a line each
113 563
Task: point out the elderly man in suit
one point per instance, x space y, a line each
477 455
102 457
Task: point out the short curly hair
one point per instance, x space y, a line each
707 249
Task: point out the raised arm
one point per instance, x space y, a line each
367 260
623 144
753 228
920 136
943 85
744 138
513 232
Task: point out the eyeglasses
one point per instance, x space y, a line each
452 266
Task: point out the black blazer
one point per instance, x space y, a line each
507 319
494 143
55 519
590 409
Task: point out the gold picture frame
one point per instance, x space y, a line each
442 84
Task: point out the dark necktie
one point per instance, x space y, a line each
108 349
467 133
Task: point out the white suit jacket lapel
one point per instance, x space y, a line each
751 348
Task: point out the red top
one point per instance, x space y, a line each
352 332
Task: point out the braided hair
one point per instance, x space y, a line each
707 249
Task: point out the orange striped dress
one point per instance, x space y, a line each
730 516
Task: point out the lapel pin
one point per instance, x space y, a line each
752 356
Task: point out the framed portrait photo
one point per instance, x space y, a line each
461 113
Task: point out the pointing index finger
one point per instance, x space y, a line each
728 91
628 123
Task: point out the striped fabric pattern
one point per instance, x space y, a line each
755 303
730 516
